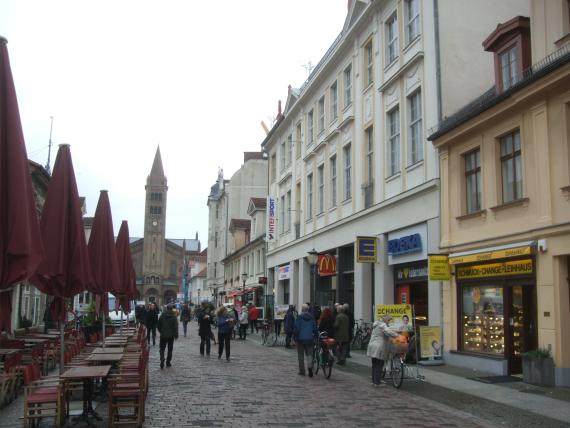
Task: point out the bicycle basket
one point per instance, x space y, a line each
397 347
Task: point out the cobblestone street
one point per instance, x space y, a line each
260 387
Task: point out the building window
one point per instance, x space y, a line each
333 181
282 155
282 216
155 210
216 240
416 141
483 319
368 64
321 190
334 102
289 148
392 39
173 268
413 20
394 140
215 269
511 167
347 172
288 210
273 173
347 86
310 131
309 196
322 114
369 136
217 210
509 67
473 181
298 137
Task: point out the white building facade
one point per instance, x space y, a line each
349 165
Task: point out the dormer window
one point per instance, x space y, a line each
510 43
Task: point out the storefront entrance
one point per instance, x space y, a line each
411 282
498 315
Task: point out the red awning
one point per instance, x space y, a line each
234 293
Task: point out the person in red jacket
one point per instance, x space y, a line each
253 315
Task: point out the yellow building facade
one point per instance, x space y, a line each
505 202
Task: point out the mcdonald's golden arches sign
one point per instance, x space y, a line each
327 265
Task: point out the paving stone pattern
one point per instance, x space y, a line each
260 387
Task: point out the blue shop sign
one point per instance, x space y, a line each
405 245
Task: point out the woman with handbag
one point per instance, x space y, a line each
378 347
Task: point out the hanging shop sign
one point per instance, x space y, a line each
279 312
418 272
283 272
489 270
439 269
271 219
326 265
430 341
366 249
491 255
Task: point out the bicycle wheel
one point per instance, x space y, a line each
357 341
397 370
316 358
272 339
263 337
327 361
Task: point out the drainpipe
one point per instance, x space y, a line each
437 60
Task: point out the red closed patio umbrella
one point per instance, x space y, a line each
127 277
65 270
21 249
103 256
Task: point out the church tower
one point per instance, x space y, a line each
154 229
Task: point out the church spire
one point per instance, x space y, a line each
157 171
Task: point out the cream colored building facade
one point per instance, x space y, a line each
505 201
349 157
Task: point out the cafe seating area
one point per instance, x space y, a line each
113 370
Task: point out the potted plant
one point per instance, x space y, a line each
538 367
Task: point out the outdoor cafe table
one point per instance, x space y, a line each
87 374
8 352
34 340
99 358
108 350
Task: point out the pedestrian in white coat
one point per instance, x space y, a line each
377 347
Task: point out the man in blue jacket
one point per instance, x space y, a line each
304 333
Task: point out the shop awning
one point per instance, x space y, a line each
492 253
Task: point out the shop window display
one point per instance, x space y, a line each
483 320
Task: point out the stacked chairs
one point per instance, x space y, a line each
128 386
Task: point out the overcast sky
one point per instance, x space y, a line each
197 77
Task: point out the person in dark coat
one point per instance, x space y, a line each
350 316
140 314
341 334
225 327
304 333
205 329
151 321
289 323
168 329
185 316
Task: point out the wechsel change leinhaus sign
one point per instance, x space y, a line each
516 267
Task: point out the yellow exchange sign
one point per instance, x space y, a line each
517 267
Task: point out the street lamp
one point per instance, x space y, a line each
312 257
243 278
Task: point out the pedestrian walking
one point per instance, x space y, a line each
289 324
326 323
253 315
304 333
225 326
140 314
243 323
205 329
341 334
377 347
350 316
151 321
168 329
185 316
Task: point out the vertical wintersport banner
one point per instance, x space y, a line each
271 219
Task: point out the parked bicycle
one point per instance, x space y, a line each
395 366
268 336
323 354
362 333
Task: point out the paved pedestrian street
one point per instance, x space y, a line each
260 387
